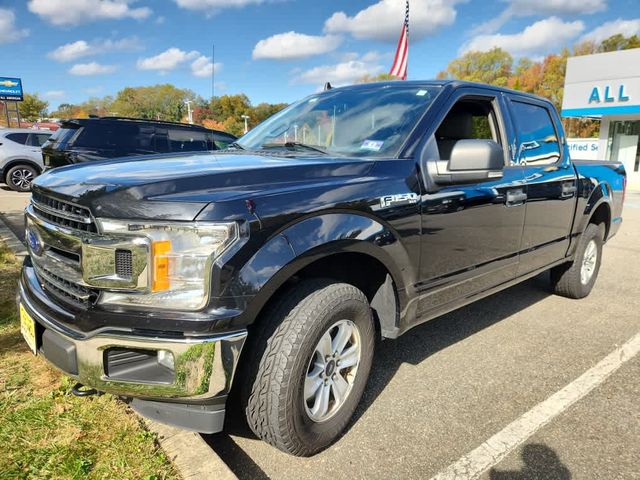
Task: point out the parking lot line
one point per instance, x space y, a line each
496 448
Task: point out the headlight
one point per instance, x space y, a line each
179 263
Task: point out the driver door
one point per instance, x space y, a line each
471 231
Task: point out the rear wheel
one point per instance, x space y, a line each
19 177
576 279
310 363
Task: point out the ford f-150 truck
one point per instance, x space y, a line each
263 276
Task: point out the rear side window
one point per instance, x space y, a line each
20 138
187 140
538 141
92 137
38 139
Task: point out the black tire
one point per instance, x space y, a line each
19 177
566 279
280 350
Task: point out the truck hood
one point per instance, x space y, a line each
179 187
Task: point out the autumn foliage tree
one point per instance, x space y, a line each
544 77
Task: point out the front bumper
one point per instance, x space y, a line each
203 365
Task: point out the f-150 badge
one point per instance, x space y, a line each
405 198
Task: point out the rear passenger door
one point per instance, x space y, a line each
550 182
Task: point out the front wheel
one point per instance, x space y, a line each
576 279
310 362
19 177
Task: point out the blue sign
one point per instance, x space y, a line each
11 89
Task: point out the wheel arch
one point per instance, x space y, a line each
349 248
19 161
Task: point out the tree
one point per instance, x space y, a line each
619 42
381 77
262 111
157 102
493 67
32 107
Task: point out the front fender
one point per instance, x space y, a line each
308 241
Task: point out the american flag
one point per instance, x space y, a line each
399 67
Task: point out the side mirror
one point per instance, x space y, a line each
471 161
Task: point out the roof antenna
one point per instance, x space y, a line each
327 86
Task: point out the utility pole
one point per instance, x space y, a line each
246 125
189 113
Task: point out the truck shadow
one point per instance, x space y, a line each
540 461
414 347
427 339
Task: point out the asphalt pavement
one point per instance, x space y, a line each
446 387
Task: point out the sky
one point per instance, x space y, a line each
274 50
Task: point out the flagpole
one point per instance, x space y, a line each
213 70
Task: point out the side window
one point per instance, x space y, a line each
161 140
538 141
38 139
20 138
183 140
221 142
468 119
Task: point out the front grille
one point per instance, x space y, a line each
63 213
124 263
65 290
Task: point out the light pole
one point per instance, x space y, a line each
246 125
189 114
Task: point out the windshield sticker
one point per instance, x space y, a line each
421 93
373 145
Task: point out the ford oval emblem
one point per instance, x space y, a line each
35 245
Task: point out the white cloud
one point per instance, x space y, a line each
54 94
523 8
383 20
92 68
81 48
70 51
557 7
8 31
294 45
168 60
342 73
172 58
214 5
608 29
203 67
74 12
540 37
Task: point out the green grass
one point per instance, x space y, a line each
46 432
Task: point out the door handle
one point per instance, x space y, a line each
568 190
515 197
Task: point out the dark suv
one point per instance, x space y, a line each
97 138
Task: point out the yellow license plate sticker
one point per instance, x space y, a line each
28 329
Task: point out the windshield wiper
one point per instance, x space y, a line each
296 145
236 145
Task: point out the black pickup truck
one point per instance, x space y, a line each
263 276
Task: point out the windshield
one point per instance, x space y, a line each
363 122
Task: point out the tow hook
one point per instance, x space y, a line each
80 390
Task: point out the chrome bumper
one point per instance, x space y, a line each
203 366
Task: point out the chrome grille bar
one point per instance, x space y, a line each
62 213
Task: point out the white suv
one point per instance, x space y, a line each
21 156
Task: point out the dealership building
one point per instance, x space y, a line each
606 86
